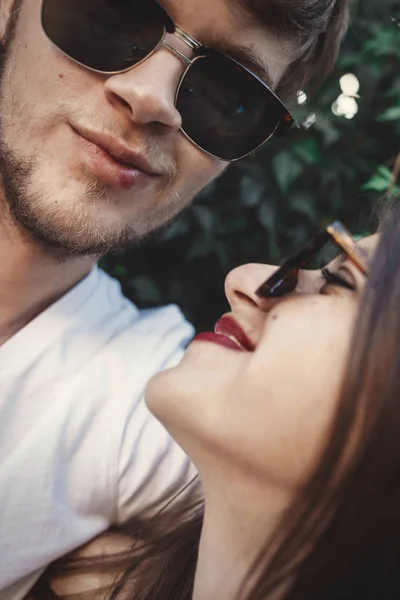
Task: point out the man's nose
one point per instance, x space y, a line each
147 92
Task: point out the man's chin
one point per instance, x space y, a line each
89 239
69 244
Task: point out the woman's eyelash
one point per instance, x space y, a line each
334 279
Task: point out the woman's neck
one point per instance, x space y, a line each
235 530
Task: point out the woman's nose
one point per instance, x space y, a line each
241 285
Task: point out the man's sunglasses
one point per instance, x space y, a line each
285 279
226 110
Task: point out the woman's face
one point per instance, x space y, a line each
263 410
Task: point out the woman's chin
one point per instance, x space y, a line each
161 394
154 394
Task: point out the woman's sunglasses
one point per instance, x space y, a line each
286 278
226 110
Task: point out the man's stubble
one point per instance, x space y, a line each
54 230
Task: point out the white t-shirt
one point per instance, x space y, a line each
78 448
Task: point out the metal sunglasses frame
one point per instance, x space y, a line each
277 284
282 127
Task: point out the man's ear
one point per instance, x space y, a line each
6 7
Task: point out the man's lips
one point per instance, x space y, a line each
121 153
114 164
228 333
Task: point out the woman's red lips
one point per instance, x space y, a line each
215 338
227 326
228 333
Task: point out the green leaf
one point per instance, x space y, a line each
385 43
252 190
176 229
119 271
391 114
205 217
304 204
202 246
267 216
324 124
146 289
287 168
381 181
308 151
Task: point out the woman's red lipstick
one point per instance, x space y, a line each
228 333
222 340
227 325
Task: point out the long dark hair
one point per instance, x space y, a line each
340 538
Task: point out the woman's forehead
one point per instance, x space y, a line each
369 243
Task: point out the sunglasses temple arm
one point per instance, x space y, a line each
270 287
284 125
360 259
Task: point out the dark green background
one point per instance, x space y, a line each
264 207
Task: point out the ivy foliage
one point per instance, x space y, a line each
264 207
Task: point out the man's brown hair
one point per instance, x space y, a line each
316 27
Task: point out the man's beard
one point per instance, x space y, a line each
58 237
61 235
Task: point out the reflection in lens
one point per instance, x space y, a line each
104 35
224 109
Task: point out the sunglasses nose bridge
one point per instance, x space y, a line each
186 38
186 42
176 52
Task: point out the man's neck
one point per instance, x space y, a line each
235 530
31 280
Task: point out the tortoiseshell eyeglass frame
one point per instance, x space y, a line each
285 279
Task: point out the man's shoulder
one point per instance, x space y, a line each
148 461
147 320
142 335
115 348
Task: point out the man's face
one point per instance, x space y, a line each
57 185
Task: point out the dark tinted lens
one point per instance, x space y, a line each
224 109
106 35
279 284
285 279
